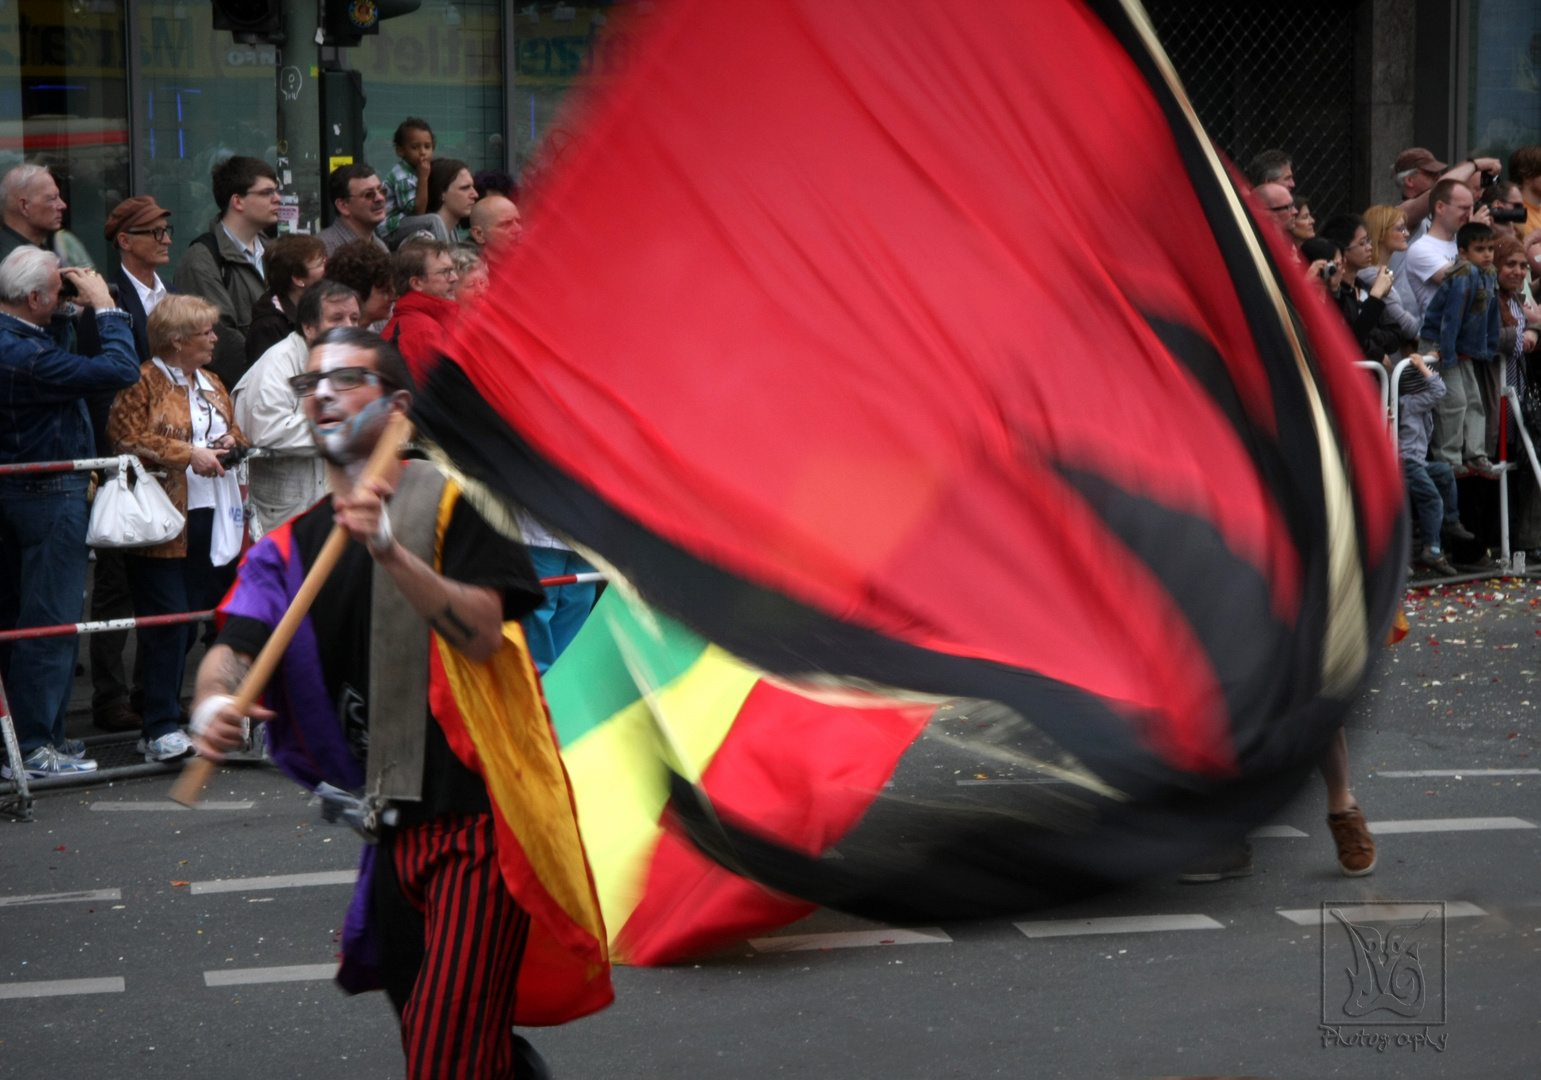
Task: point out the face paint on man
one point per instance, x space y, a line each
346 420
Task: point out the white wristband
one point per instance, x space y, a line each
207 709
381 541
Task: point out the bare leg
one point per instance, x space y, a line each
1356 848
1334 766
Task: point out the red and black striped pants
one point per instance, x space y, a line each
452 939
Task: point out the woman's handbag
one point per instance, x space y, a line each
138 516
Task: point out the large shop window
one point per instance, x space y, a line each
442 63
202 98
559 51
64 104
1504 100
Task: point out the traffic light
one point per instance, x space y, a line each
250 21
347 21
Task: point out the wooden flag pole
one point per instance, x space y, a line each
196 773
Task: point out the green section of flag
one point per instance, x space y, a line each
590 682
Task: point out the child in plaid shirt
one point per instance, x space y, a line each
406 188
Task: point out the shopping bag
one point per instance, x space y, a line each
138 516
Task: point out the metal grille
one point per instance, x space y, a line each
1266 76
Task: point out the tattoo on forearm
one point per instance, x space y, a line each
447 621
232 670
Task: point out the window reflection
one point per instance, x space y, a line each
64 104
204 97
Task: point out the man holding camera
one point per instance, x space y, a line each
43 517
1432 255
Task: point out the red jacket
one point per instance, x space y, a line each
424 323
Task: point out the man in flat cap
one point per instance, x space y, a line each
140 230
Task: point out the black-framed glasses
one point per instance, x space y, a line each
347 378
262 193
161 233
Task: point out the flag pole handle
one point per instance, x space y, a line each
197 772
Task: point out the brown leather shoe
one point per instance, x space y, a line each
117 719
1356 847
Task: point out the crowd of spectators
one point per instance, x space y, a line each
1445 279
189 375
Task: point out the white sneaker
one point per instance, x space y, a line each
168 747
46 761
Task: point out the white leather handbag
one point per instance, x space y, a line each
138 516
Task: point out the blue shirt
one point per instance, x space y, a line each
42 412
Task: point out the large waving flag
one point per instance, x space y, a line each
931 349
804 771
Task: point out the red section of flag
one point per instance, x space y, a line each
796 771
828 294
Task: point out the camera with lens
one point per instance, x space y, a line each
1508 217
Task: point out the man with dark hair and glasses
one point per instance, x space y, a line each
409 703
359 198
224 265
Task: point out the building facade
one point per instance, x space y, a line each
129 97
125 97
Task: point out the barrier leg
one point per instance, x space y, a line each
1530 447
17 802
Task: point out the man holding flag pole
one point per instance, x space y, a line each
407 699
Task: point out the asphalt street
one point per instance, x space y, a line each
199 943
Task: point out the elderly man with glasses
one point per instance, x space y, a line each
224 265
426 311
32 207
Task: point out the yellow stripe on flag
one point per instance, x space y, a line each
501 706
617 774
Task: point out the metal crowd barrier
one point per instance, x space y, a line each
1387 398
16 794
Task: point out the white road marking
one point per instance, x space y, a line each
61 897
1275 831
850 939
280 881
249 976
62 987
1455 909
1123 924
1005 781
167 804
1410 773
1453 824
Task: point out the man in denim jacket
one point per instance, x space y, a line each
43 516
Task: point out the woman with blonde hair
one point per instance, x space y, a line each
179 416
1388 234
